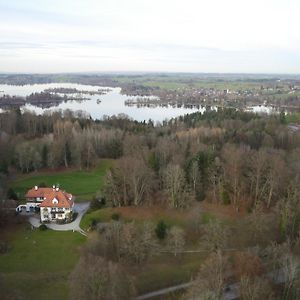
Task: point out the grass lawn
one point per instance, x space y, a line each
293 118
81 183
38 264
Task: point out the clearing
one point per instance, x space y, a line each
82 183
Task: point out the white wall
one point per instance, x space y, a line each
49 209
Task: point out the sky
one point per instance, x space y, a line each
217 36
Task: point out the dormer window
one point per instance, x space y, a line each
54 201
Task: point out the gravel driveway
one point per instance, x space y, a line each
81 208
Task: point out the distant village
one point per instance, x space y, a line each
280 95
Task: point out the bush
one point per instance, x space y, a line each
225 197
115 216
4 247
74 215
161 230
200 195
11 194
43 227
42 184
207 217
97 203
93 223
58 221
4 167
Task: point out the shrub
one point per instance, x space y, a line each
225 197
43 227
249 209
115 216
207 217
93 223
4 167
97 203
69 217
11 194
161 230
200 195
4 247
74 215
58 221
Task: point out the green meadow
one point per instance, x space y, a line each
82 183
38 264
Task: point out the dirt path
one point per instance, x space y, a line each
231 291
164 291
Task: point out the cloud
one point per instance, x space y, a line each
188 35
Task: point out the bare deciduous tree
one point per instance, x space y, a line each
256 288
210 281
233 168
128 182
176 239
259 225
216 236
290 267
258 167
138 243
175 186
95 278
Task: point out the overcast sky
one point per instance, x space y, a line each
247 36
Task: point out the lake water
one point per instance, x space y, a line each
112 103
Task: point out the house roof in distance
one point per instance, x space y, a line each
49 194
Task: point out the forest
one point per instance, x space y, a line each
238 162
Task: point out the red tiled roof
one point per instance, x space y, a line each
64 199
39 193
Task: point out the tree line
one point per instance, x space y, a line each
227 156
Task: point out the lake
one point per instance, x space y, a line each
112 103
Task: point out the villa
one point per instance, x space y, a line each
54 204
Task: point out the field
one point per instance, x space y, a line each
38 264
174 82
82 183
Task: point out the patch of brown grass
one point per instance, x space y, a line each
223 211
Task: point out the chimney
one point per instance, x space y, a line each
53 187
57 189
36 187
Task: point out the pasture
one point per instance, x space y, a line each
82 183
